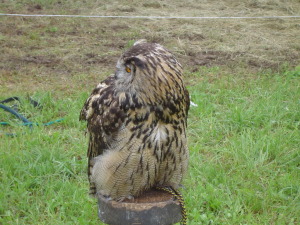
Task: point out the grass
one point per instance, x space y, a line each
244 144
243 136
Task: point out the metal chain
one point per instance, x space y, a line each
180 198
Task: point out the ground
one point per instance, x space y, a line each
242 73
57 50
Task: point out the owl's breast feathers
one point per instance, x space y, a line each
106 110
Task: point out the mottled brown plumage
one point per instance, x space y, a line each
137 121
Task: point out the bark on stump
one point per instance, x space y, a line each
154 207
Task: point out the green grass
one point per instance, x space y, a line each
244 144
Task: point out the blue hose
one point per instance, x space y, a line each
19 116
25 121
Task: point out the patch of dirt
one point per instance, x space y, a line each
261 64
209 58
126 9
118 27
155 5
46 60
119 45
102 61
192 36
34 8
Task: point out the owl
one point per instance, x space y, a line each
137 121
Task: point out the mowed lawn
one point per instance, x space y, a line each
243 128
244 144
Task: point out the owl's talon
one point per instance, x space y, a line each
129 197
107 197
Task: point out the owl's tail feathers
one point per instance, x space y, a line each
93 190
180 198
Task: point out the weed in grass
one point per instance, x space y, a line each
52 29
130 43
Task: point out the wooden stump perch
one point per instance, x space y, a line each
154 207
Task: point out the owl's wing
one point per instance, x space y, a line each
104 118
187 100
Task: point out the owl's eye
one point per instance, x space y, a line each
128 70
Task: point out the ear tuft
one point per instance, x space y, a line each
136 61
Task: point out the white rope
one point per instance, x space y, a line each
155 17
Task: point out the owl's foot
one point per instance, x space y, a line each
107 197
121 199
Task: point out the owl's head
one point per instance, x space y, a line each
148 70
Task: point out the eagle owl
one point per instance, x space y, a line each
137 120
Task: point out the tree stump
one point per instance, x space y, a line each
154 207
